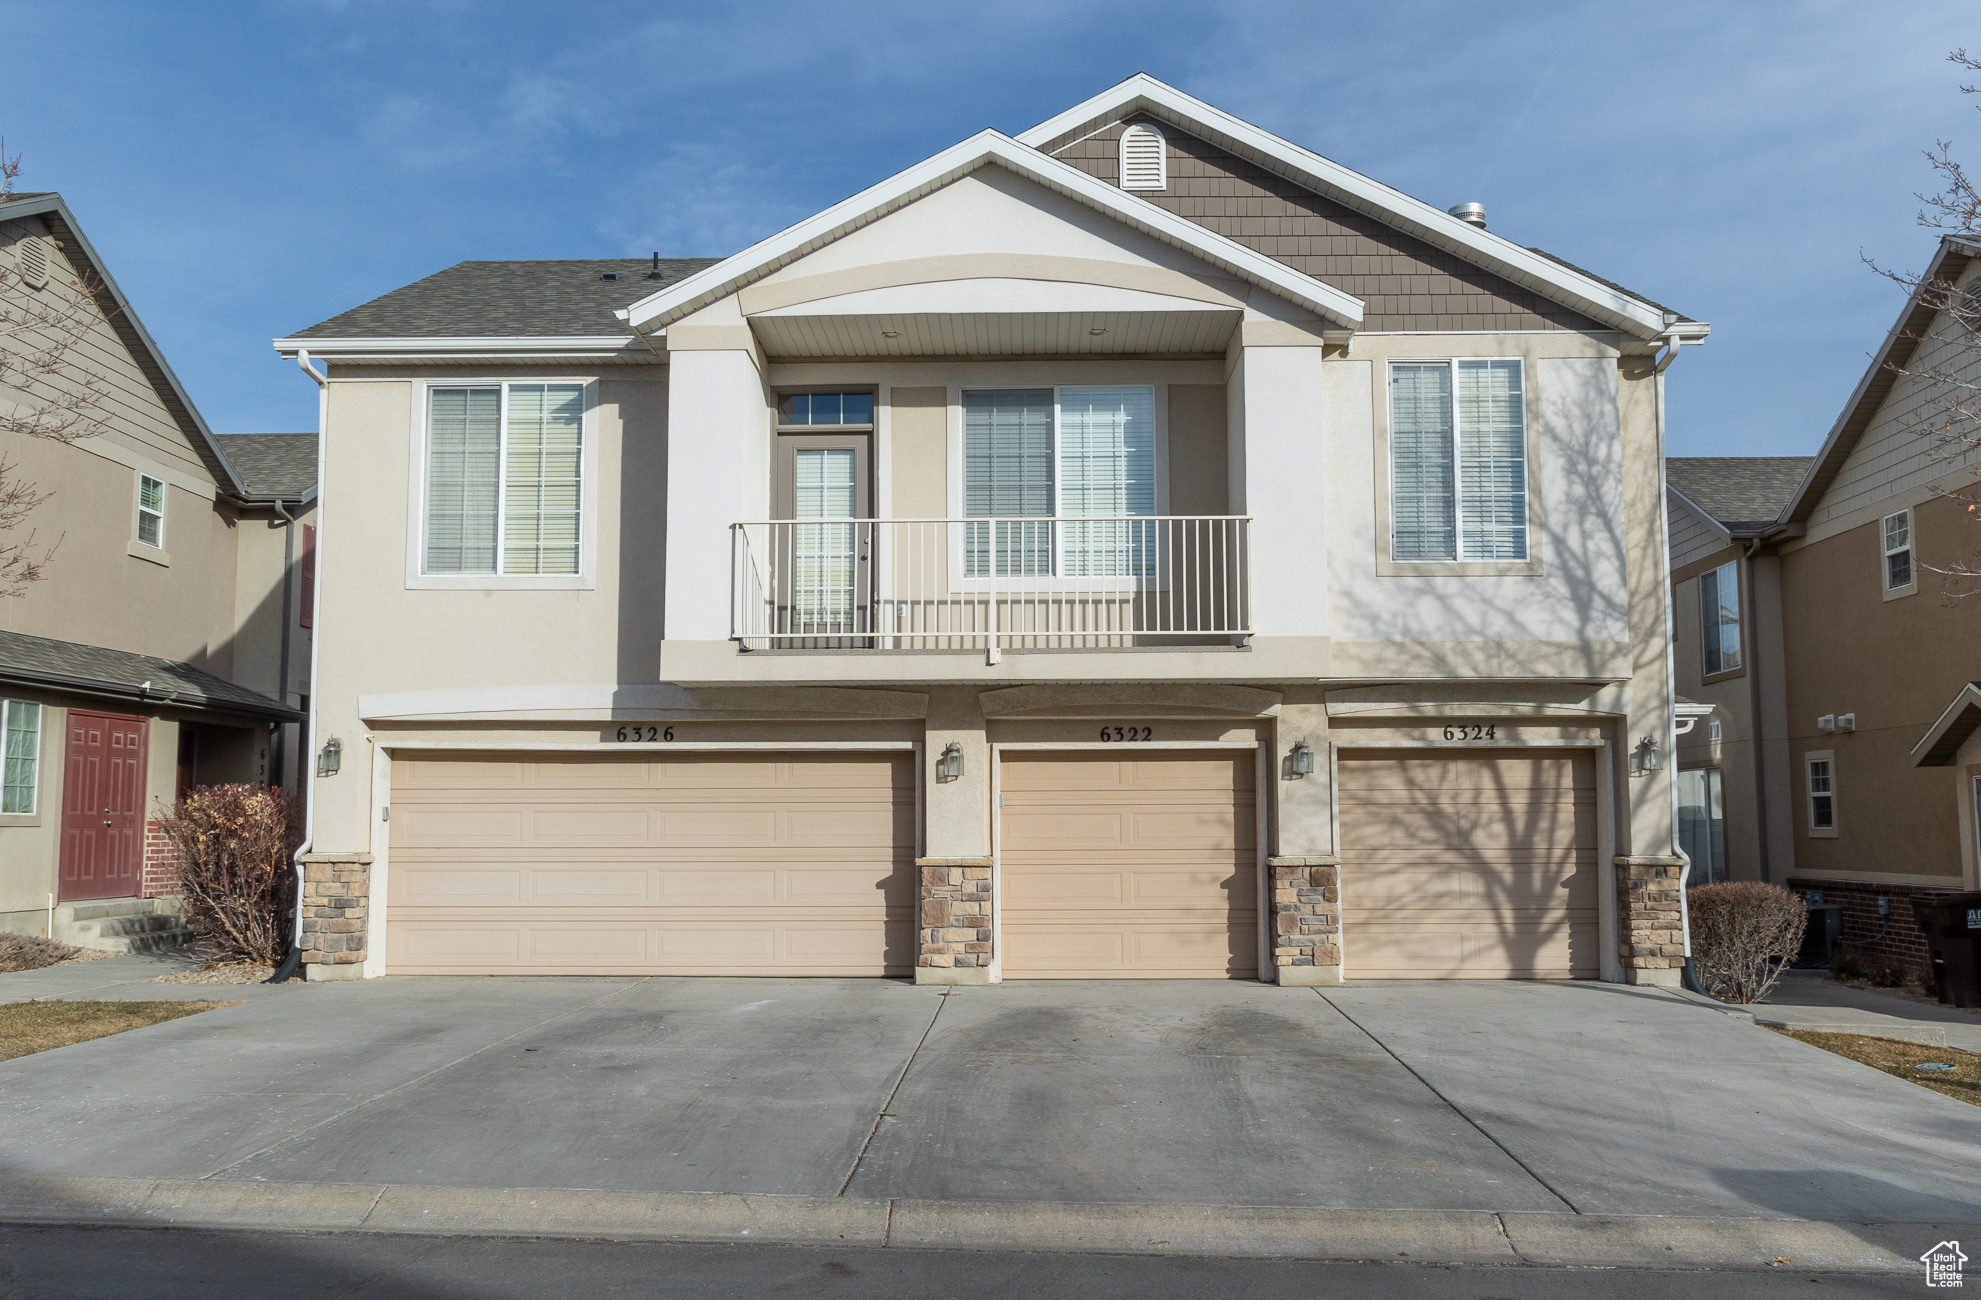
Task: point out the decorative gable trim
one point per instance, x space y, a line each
1144 94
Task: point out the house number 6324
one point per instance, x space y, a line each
1487 732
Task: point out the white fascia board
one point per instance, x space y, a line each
551 346
1700 510
985 147
1390 206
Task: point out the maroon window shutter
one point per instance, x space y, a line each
306 615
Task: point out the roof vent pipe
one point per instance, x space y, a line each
1472 214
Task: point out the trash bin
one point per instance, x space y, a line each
1820 940
1953 935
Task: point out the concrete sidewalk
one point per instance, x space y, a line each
1817 1005
126 978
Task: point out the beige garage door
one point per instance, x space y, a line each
785 864
1469 866
1129 868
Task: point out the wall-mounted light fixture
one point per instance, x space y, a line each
950 766
330 758
1648 757
1303 759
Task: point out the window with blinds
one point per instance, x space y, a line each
504 478
1458 460
1069 454
1144 158
21 722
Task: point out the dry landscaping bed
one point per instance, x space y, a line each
30 1027
20 952
1900 1058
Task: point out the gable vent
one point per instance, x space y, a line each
31 255
1144 160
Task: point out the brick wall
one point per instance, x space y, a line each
1896 936
160 876
1648 908
336 908
953 927
1306 911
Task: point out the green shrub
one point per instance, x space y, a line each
234 844
1744 935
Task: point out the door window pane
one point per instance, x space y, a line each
1702 824
825 485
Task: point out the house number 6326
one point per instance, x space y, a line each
1487 732
643 734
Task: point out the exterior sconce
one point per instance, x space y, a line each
950 766
1303 759
331 758
1649 757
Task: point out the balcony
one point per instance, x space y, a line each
991 585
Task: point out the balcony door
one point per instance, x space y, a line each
826 596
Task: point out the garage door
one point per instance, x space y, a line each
1138 868
692 865
1469 866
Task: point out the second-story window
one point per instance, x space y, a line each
1719 616
1458 460
504 464
1897 534
151 511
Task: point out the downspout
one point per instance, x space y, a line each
1663 363
288 617
293 962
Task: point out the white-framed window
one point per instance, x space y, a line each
1896 534
20 756
504 470
1458 460
1060 456
1144 158
1822 787
1719 616
151 511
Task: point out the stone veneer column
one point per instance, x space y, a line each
1306 902
336 912
953 930
1651 947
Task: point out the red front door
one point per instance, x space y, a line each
103 807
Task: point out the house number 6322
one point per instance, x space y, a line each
1487 732
1112 734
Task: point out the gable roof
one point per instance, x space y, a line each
275 466
1901 341
123 320
1942 741
1743 493
653 313
534 299
1542 272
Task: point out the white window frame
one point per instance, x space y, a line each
1886 551
32 816
959 581
164 501
1709 629
418 579
1390 563
1810 794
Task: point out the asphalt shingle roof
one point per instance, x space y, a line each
511 299
38 661
272 464
1739 491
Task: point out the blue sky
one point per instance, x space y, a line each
248 169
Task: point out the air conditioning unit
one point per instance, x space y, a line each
1827 723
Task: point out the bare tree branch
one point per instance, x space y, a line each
51 389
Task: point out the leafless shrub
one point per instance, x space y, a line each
50 389
1744 934
32 952
233 844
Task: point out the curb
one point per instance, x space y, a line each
1924 1035
1422 1236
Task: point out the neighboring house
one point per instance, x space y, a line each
1726 652
1866 657
146 661
1137 548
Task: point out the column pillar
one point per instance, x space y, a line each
1305 870
954 880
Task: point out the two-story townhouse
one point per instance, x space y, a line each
1839 630
148 659
1140 547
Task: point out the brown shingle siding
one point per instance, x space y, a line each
1407 284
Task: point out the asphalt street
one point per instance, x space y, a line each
60 1263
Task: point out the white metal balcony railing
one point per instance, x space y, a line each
991 584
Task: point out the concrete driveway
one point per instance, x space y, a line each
1583 1098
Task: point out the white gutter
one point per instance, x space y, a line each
306 758
574 346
